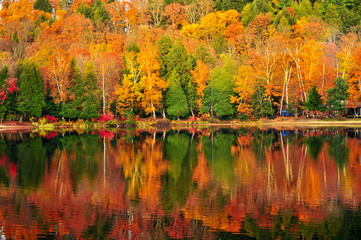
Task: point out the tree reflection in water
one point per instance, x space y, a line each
200 184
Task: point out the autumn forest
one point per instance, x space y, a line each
82 59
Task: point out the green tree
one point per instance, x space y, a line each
191 96
164 45
337 96
73 109
283 26
314 101
4 74
96 12
332 17
267 108
179 60
43 5
91 102
220 45
218 93
31 90
176 100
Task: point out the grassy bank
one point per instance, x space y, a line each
184 124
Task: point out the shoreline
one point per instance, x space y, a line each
302 123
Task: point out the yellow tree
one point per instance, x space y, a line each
129 91
211 25
125 95
346 56
152 84
201 76
243 87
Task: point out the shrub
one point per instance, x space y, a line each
43 121
51 119
80 122
162 123
192 119
106 117
243 117
205 117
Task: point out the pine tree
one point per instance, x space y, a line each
191 97
178 59
31 90
218 93
43 5
3 75
73 109
337 96
314 101
176 100
91 103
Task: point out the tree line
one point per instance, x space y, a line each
225 59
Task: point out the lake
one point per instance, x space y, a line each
245 183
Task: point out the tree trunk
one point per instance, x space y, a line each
192 112
153 110
103 92
163 113
21 118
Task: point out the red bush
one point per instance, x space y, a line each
51 119
193 119
106 117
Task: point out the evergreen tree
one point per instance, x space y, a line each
73 109
220 89
91 103
191 97
283 26
179 60
176 100
3 75
43 5
220 45
337 96
96 12
203 53
31 90
266 108
314 101
164 44
332 17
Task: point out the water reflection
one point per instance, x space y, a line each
199 184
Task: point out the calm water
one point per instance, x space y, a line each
195 184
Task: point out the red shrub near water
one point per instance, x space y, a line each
106 117
193 119
51 119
